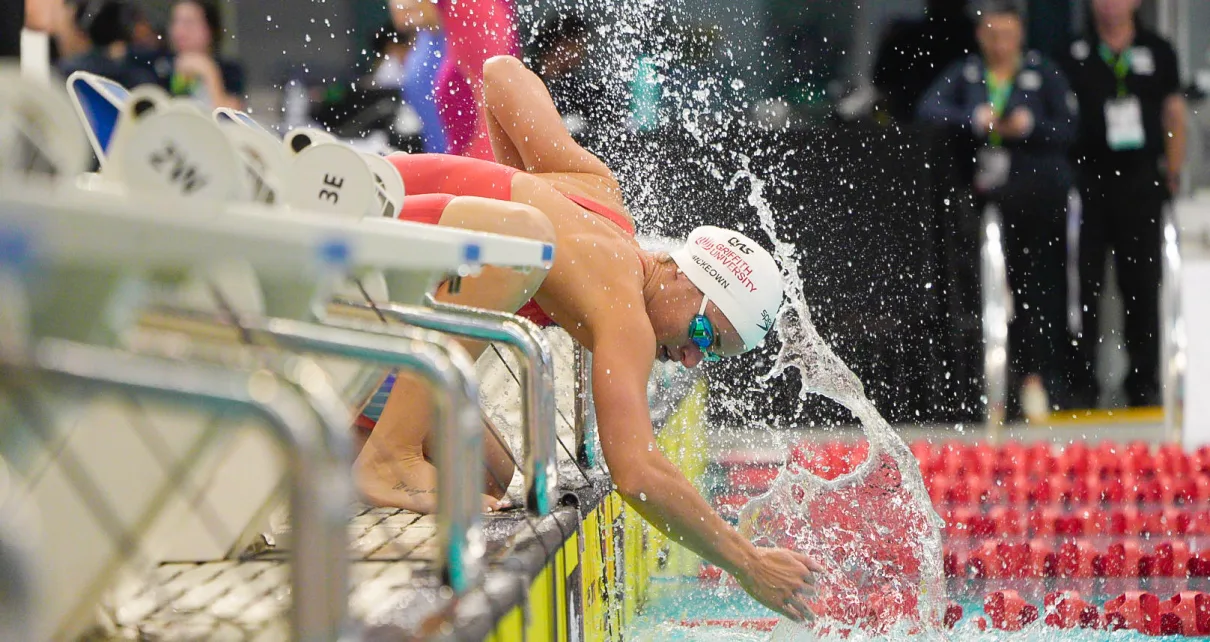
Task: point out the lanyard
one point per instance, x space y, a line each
1119 63
997 95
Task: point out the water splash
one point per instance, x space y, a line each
874 528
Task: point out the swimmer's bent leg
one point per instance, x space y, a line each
392 468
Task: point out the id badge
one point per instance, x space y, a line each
1124 124
991 168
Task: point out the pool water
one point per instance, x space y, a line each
685 610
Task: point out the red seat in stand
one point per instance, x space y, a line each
1067 610
1122 559
1008 611
1135 610
1171 559
1186 613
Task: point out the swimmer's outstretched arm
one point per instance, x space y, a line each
525 126
622 360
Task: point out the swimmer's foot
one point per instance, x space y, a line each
410 483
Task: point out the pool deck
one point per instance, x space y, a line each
394 589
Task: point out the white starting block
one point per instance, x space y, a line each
98 102
39 134
164 205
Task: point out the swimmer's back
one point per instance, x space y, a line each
602 189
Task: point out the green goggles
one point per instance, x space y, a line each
701 332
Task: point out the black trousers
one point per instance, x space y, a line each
1034 222
12 18
1121 217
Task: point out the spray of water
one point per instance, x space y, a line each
874 529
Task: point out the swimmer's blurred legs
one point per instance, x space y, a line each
392 467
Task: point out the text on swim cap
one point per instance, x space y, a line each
729 259
739 245
709 269
766 322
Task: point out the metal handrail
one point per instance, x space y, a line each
585 412
997 311
538 406
536 363
438 360
1172 329
305 417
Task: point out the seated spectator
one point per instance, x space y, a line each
55 18
145 39
107 25
193 67
1019 111
69 40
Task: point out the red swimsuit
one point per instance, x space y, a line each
433 180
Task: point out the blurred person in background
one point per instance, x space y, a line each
57 19
418 79
1129 155
145 39
193 67
69 39
475 30
107 26
1019 109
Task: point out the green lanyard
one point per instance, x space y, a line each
997 95
1119 63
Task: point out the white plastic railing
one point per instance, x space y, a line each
997 312
1172 330
102 235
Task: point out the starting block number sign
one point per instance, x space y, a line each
177 169
331 195
329 177
179 154
264 160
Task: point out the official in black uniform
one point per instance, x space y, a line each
1128 158
1022 118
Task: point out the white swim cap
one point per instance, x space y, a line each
738 275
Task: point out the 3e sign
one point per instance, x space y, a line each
331 195
169 162
738 244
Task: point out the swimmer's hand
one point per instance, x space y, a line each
782 580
